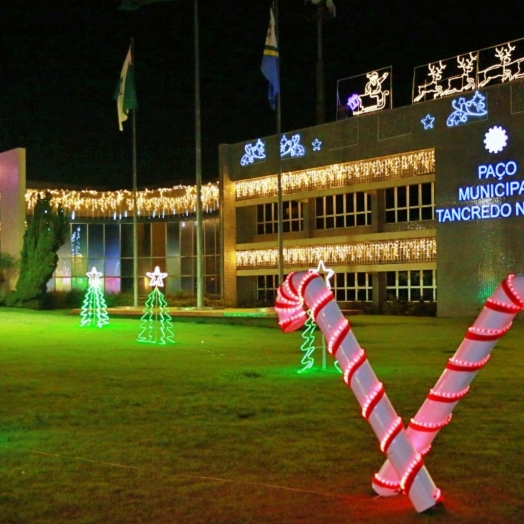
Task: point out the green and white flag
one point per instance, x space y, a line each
125 94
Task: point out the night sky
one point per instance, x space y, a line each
60 62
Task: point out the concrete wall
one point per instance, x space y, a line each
12 205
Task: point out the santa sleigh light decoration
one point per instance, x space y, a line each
404 470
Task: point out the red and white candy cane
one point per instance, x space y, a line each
309 288
474 352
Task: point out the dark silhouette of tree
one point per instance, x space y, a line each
46 232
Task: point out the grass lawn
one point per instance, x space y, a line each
220 428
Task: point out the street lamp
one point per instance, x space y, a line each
318 11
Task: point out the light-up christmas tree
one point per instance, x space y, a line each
308 346
156 326
94 307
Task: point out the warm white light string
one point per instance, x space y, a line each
386 252
340 175
176 200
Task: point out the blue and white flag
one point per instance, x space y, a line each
269 64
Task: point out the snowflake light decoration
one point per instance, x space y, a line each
496 139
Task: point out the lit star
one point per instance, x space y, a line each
156 278
427 121
328 271
94 277
317 144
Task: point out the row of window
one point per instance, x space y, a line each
409 285
402 204
109 247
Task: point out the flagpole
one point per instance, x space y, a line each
198 168
280 206
135 207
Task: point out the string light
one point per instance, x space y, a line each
340 175
174 200
386 252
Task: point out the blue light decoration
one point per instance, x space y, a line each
485 200
428 121
496 139
466 109
317 144
291 147
94 307
156 325
353 101
254 153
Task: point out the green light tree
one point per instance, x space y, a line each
308 346
155 324
94 307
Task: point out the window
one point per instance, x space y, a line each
410 203
349 210
353 287
411 286
109 248
267 286
267 217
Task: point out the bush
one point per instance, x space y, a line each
402 307
64 299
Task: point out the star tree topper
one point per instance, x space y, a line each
156 277
327 271
94 277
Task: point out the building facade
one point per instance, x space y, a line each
393 201
419 203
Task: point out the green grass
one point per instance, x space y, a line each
220 428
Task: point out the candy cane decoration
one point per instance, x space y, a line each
472 354
408 464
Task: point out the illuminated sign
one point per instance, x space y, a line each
484 192
499 170
489 194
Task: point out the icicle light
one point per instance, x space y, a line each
387 252
176 200
339 175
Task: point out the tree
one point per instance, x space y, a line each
46 232
8 269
